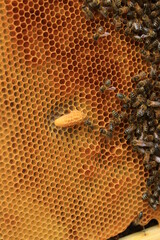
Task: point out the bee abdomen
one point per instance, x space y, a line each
141 111
153 103
149 138
129 129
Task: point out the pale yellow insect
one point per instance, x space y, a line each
73 118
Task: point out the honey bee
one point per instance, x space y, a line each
129 23
156 137
151 130
130 4
114 7
107 3
150 165
123 115
158 129
85 2
153 45
151 200
118 3
115 114
153 103
123 97
157 112
157 186
142 143
156 194
139 100
157 59
127 31
130 129
153 73
149 138
138 218
156 22
157 149
136 27
157 4
89 124
157 84
103 10
152 6
88 13
138 9
132 96
146 8
147 43
140 215
150 113
131 118
128 138
150 180
131 15
138 132
94 4
139 77
147 21
145 196
153 122
145 127
154 13
159 48
111 126
125 106
139 149
141 111
156 158
154 206
138 38
106 133
148 57
98 33
103 88
118 23
107 86
123 10
152 203
145 53
144 83
151 33
146 157
117 119
142 90
155 173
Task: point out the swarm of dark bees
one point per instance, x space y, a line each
143 131
141 21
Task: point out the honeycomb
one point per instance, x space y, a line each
65 183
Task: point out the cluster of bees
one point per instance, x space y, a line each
141 21
143 131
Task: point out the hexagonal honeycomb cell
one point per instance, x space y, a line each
65 183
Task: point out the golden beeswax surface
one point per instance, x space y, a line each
64 183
